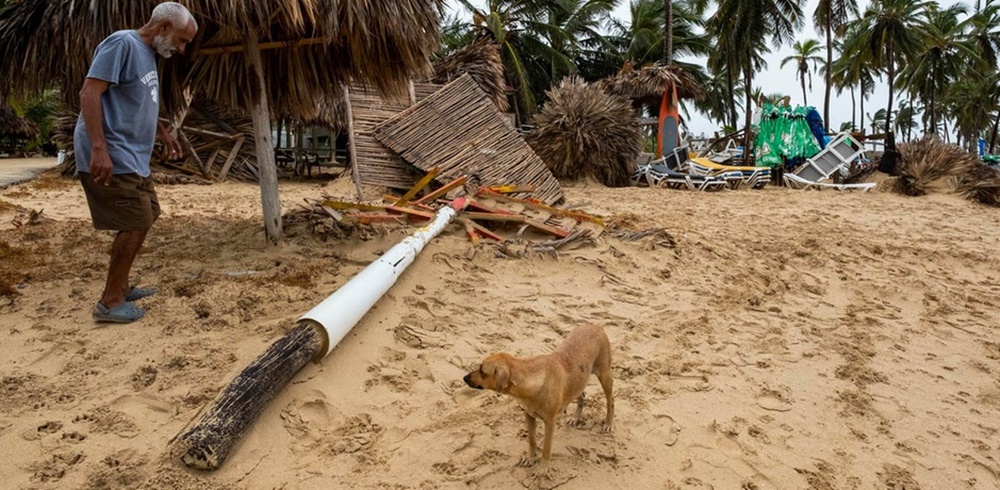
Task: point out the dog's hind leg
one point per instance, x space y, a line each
607 382
577 419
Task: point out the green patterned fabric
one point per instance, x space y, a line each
783 132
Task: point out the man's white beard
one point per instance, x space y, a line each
162 46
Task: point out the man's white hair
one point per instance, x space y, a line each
177 14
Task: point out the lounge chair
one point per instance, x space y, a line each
840 152
755 177
657 173
795 182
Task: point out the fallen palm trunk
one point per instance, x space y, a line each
206 445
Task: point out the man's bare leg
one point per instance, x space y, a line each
123 252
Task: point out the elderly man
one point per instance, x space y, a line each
113 142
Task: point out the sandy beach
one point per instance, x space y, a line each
771 339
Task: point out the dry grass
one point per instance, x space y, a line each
584 132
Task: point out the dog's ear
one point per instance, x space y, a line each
501 377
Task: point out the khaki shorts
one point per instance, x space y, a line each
129 203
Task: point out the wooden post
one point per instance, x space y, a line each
206 445
265 150
352 142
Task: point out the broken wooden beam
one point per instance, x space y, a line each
419 186
413 213
482 230
440 191
510 218
577 215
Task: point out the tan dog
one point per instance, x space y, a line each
545 385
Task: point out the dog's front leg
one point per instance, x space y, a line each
532 458
550 428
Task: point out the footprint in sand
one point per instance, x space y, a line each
308 415
663 429
54 360
54 469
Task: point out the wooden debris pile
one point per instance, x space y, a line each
493 217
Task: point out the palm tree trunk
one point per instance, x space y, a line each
933 107
829 63
668 32
993 137
854 107
805 101
892 75
748 88
862 126
732 100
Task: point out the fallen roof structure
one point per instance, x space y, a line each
459 131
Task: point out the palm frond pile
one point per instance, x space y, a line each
925 163
584 132
980 183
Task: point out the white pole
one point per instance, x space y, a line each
338 314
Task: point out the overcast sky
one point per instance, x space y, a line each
776 79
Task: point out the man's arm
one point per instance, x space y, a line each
93 121
174 149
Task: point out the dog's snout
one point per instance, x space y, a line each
468 381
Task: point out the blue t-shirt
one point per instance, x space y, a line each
131 104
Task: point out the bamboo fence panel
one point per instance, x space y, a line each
377 165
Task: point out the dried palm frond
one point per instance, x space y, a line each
482 61
980 183
521 249
926 161
582 131
648 83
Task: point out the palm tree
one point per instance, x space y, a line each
745 25
805 52
906 119
519 28
641 40
891 29
573 27
722 98
985 31
852 71
878 121
833 17
943 54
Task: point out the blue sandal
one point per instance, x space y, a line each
123 313
137 293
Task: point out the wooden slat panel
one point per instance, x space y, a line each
377 165
459 130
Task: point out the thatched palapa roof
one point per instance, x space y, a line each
14 126
310 48
480 60
648 83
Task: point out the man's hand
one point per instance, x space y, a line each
173 147
100 165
